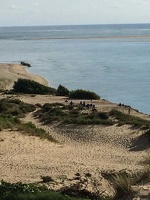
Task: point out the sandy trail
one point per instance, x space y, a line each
89 148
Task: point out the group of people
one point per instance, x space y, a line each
87 105
83 103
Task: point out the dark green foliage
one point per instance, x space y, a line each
129 119
48 106
19 191
71 114
7 188
31 87
83 94
103 115
62 91
15 107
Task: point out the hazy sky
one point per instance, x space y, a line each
64 12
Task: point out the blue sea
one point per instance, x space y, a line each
111 60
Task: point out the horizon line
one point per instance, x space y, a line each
142 23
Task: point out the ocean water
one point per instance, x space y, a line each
111 60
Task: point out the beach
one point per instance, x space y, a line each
11 72
80 149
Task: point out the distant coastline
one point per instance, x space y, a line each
12 72
111 60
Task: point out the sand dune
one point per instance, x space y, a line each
11 72
82 149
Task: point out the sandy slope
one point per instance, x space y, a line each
11 72
80 149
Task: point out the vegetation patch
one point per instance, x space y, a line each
62 91
30 129
13 123
71 114
8 121
19 191
122 182
83 94
15 107
129 119
26 86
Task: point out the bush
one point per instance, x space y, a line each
129 119
83 94
15 107
19 191
70 114
8 121
31 87
62 91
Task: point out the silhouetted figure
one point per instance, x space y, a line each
129 110
83 103
71 103
88 106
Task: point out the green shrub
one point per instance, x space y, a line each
62 91
15 107
19 191
102 115
8 121
31 87
129 119
70 114
83 94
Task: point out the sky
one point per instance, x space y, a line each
73 12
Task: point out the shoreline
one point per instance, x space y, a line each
12 72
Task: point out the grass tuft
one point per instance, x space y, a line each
122 182
71 114
129 119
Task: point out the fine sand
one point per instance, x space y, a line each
11 72
82 149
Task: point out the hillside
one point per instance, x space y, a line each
93 149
